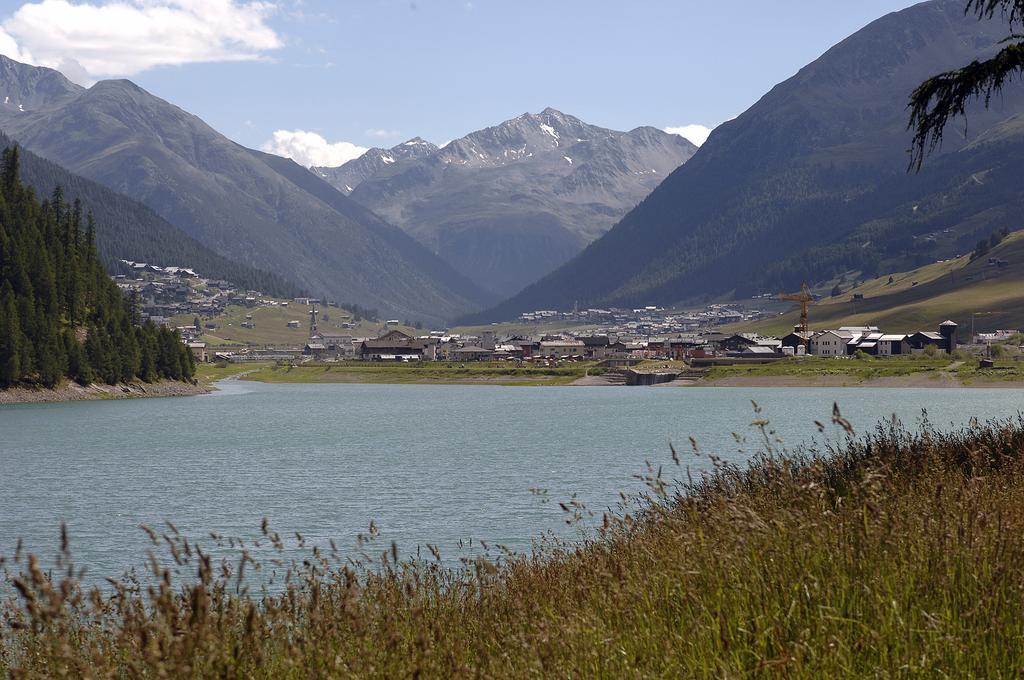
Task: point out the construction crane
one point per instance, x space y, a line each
805 299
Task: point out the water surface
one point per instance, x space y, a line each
430 464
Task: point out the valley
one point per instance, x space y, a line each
715 370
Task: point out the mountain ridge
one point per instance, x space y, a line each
510 202
126 229
809 181
270 214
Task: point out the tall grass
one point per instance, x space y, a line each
900 553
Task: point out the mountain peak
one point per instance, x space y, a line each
830 140
31 88
116 85
345 178
509 203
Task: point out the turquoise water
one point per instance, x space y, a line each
429 464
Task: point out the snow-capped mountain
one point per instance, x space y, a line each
347 177
507 204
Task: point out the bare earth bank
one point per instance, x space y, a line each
75 392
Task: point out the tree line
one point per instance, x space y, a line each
129 230
61 315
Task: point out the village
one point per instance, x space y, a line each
161 293
704 348
615 337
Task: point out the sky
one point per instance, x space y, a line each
322 80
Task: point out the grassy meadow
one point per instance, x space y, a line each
863 369
925 297
919 370
211 373
898 553
491 373
271 326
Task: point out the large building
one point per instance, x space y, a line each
392 346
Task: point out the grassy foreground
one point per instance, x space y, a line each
899 554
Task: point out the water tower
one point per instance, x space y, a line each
947 329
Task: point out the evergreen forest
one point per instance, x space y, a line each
61 315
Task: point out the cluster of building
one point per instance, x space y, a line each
617 335
850 340
164 292
651 320
396 346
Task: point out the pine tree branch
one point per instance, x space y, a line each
946 95
1012 10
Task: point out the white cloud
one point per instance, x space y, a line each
383 134
105 38
9 47
309 148
698 134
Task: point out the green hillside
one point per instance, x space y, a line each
954 289
270 325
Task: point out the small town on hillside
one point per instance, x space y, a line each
613 336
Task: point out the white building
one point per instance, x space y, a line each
830 343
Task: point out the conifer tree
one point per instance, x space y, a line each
10 337
60 313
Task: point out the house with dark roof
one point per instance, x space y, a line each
392 346
736 343
595 346
922 339
317 350
796 339
713 339
893 345
472 353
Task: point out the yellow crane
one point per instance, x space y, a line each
805 299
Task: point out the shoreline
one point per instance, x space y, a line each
920 381
72 391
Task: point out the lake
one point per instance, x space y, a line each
429 464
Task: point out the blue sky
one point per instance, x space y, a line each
330 77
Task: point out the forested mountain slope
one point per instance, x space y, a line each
246 205
60 312
126 229
812 180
